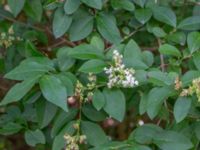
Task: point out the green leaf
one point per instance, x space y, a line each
165 15
10 128
33 138
64 61
135 63
97 42
31 50
143 15
67 82
148 57
181 108
91 113
197 130
16 6
125 4
33 9
196 60
71 6
177 37
94 3
145 134
81 28
85 51
93 66
143 103
190 23
115 103
167 49
156 98
171 140
31 67
160 78
95 135
61 120
107 27
193 41
98 100
53 90
19 90
59 142
132 50
189 76
140 2
45 112
61 23
158 32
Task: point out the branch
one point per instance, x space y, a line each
161 58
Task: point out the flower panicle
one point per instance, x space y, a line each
118 75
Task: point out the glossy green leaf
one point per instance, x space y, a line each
171 140
33 138
54 91
143 103
189 76
193 41
85 51
148 57
45 112
140 2
34 10
132 50
165 15
94 3
156 97
93 66
145 134
19 90
61 23
98 100
190 23
94 115
158 32
16 6
64 61
115 103
181 108
167 49
196 60
31 67
125 4
59 142
71 6
107 27
10 128
91 130
81 28
143 15
97 42
177 37
61 120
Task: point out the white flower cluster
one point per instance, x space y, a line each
118 75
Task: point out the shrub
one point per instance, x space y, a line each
100 74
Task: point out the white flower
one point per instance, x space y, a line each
141 122
118 75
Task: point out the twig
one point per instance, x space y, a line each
38 29
161 58
126 37
21 23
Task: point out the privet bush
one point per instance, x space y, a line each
100 74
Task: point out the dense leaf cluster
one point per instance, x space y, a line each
57 53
